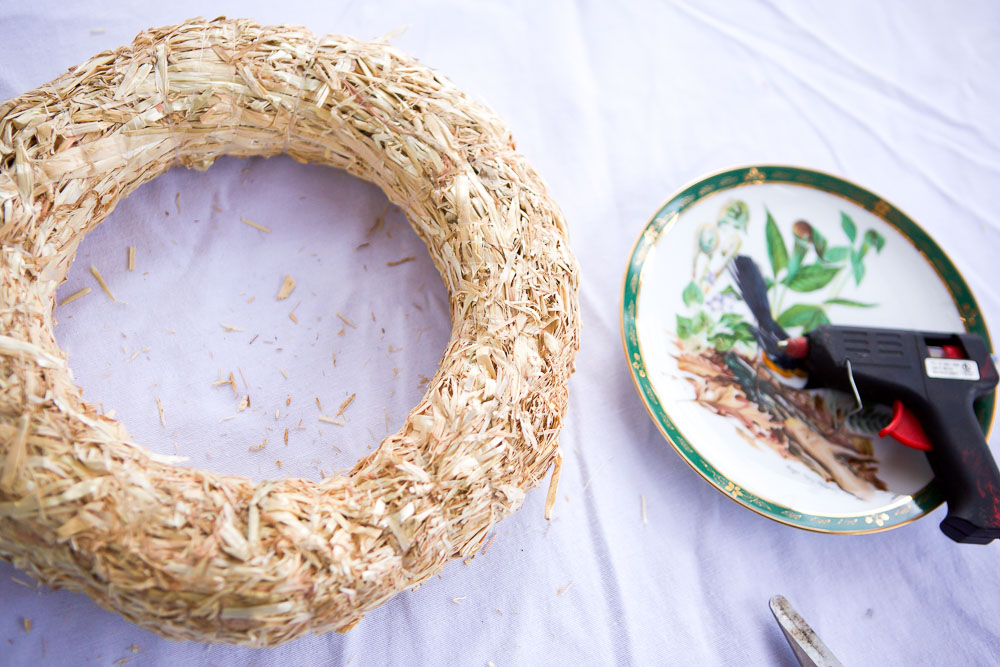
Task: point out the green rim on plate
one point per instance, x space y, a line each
909 508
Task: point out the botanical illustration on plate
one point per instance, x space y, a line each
806 272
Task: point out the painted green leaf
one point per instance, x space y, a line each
777 252
858 264
818 319
849 227
701 322
863 249
683 327
731 291
875 239
812 277
692 294
731 319
848 302
819 242
723 342
798 253
799 315
836 254
744 333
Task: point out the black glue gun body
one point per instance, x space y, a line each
931 380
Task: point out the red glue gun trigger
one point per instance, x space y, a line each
905 428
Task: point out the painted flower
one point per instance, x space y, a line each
708 238
736 213
803 230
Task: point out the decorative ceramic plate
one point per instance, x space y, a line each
830 252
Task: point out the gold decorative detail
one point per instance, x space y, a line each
878 519
753 175
733 490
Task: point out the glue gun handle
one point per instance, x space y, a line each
966 473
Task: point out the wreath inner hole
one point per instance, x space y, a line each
164 341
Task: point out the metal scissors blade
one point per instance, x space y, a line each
809 649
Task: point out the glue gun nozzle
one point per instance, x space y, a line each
795 348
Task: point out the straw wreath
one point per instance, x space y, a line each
192 554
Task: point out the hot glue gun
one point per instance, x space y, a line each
930 379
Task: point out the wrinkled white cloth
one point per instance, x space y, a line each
617 105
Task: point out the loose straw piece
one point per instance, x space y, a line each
100 281
550 498
256 225
287 285
131 258
74 296
331 420
345 404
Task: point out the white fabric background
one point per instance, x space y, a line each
617 106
